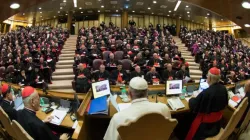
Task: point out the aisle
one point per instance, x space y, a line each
63 75
195 72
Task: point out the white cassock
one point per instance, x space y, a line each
138 108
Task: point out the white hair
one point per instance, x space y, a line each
26 100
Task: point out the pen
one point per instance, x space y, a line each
57 117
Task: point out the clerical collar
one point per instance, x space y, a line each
140 100
6 101
29 110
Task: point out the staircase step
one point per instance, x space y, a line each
65 58
66 84
196 77
64 66
65 62
195 72
193 64
68 52
63 77
194 67
68 55
187 56
189 59
68 49
63 71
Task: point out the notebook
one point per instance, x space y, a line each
99 106
59 115
175 103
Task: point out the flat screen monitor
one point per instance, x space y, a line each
101 88
173 87
203 84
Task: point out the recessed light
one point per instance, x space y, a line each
64 1
102 6
245 4
169 11
247 25
14 6
222 19
187 6
40 8
133 11
205 17
127 0
23 13
208 14
98 10
42 19
66 14
192 20
80 8
116 10
41 12
152 13
41 16
188 12
58 12
81 12
149 8
168 15
179 17
54 16
154 1
60 7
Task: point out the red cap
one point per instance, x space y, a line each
4 88
214 71
186 64
27 91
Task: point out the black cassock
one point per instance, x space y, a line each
34 126
8 107
213 99
98 76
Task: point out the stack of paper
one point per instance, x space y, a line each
58 115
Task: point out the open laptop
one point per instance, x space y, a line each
101 88
174 87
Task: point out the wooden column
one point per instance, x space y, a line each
69 21
124 19
34 21
210 27
178 27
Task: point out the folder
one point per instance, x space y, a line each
99 106
59 115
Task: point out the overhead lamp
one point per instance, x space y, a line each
168 15
58 12
245 4
179 17
133 11
222 19
188 12
205 17
41 12
23 13
169 11
66 14
41 16
116 10
39 8
247 25
80 8
152 13
60 7
98 11
177 5
64 1
149 8
208 14
42 19
81 12
75 3
154 1
187 6
102 6
14 6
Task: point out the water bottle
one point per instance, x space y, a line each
123 91
183 93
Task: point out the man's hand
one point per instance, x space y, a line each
48 119
64 136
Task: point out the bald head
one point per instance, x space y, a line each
102 68
138 69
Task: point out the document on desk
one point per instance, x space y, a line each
232 103
175 103
59 115
123 106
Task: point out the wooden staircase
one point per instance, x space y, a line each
63 75
195 72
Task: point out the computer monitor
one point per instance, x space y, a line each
238 85
203 84
174 87
100 88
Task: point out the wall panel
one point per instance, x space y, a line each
146 20
140 22
91 23
86 24
156 20
80 24
76 27
161 20
152 20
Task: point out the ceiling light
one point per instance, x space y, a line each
116 10
41 12
192 20
245 4
54 16
208 14
127 0
205 17
188 15
14 6
168 15
179 17
188 12
247 25
102 6
23 13
152 13
133 11
60 7
66 14
149 8
58 12
169 11
64 1
222 19
98 10
41 16
81 12
40 8
154 1
80 8
187 6
75 3
177 5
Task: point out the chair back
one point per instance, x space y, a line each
234 120
151 126
5 120
105 55
118 55
126 64
20 132
10 69
245 121
96 64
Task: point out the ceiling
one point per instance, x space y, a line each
224 10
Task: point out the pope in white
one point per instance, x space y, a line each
138 91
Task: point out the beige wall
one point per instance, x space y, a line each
230 29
